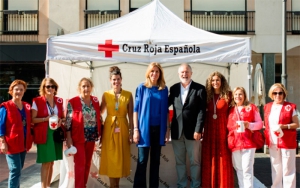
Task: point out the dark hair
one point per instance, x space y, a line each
114 70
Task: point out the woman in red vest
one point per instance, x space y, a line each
15 137
240 140
281 122
43 108
83 129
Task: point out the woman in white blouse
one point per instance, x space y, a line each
281 122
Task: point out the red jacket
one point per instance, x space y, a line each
288 140
238 141
77 130
41 129
14 134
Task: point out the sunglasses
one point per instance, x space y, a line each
50 86
277 93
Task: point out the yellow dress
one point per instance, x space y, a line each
115 151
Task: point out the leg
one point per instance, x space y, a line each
79 165
193 148
45 169
112 182
141 167
155 151
180 158
237 164
276 165
289 167
117 182
15 167
49 176
89 150
247 165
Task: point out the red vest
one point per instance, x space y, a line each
14 134
238 141
288 140
41 129
77 119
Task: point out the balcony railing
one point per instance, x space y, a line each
222 22
18 26
98 17
293 22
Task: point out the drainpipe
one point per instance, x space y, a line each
283 74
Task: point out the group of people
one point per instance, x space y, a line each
205 128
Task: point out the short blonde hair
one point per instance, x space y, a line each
280 86
161 80
245 102
85 79
14 83
43 85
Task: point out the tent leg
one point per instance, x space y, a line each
47 68
91 70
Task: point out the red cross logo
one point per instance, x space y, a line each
108 48
53 125
94 174
277 133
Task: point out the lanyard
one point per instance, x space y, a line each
50 108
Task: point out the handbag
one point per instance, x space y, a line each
59 135
258 139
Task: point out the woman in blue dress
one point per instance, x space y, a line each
150 120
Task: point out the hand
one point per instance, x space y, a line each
69 142
246 124
167 137
3 147
130 139
282 126
197 136
136 136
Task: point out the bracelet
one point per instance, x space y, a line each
135 128
289 126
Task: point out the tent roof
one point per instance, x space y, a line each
150 33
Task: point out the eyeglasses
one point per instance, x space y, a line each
50 86
277 93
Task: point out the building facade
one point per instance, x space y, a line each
25 26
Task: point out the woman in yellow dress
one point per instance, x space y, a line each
117 134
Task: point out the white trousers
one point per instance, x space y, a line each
283 164
243 161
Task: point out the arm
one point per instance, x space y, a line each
103 105
68 125
293 125
136 134
167 138
3 145
257 124
130 117
202 111
34 119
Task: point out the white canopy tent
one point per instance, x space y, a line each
151 33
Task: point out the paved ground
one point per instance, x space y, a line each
31 171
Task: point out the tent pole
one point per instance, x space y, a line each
228 70
249 81
47 68
91 70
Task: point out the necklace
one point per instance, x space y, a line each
117 97
215 104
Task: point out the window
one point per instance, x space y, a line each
29 72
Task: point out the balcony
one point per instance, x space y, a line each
293 22
98 17
222 22
19 26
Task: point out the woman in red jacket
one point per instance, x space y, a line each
240 140
15 137
83 129
43 108
281 122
